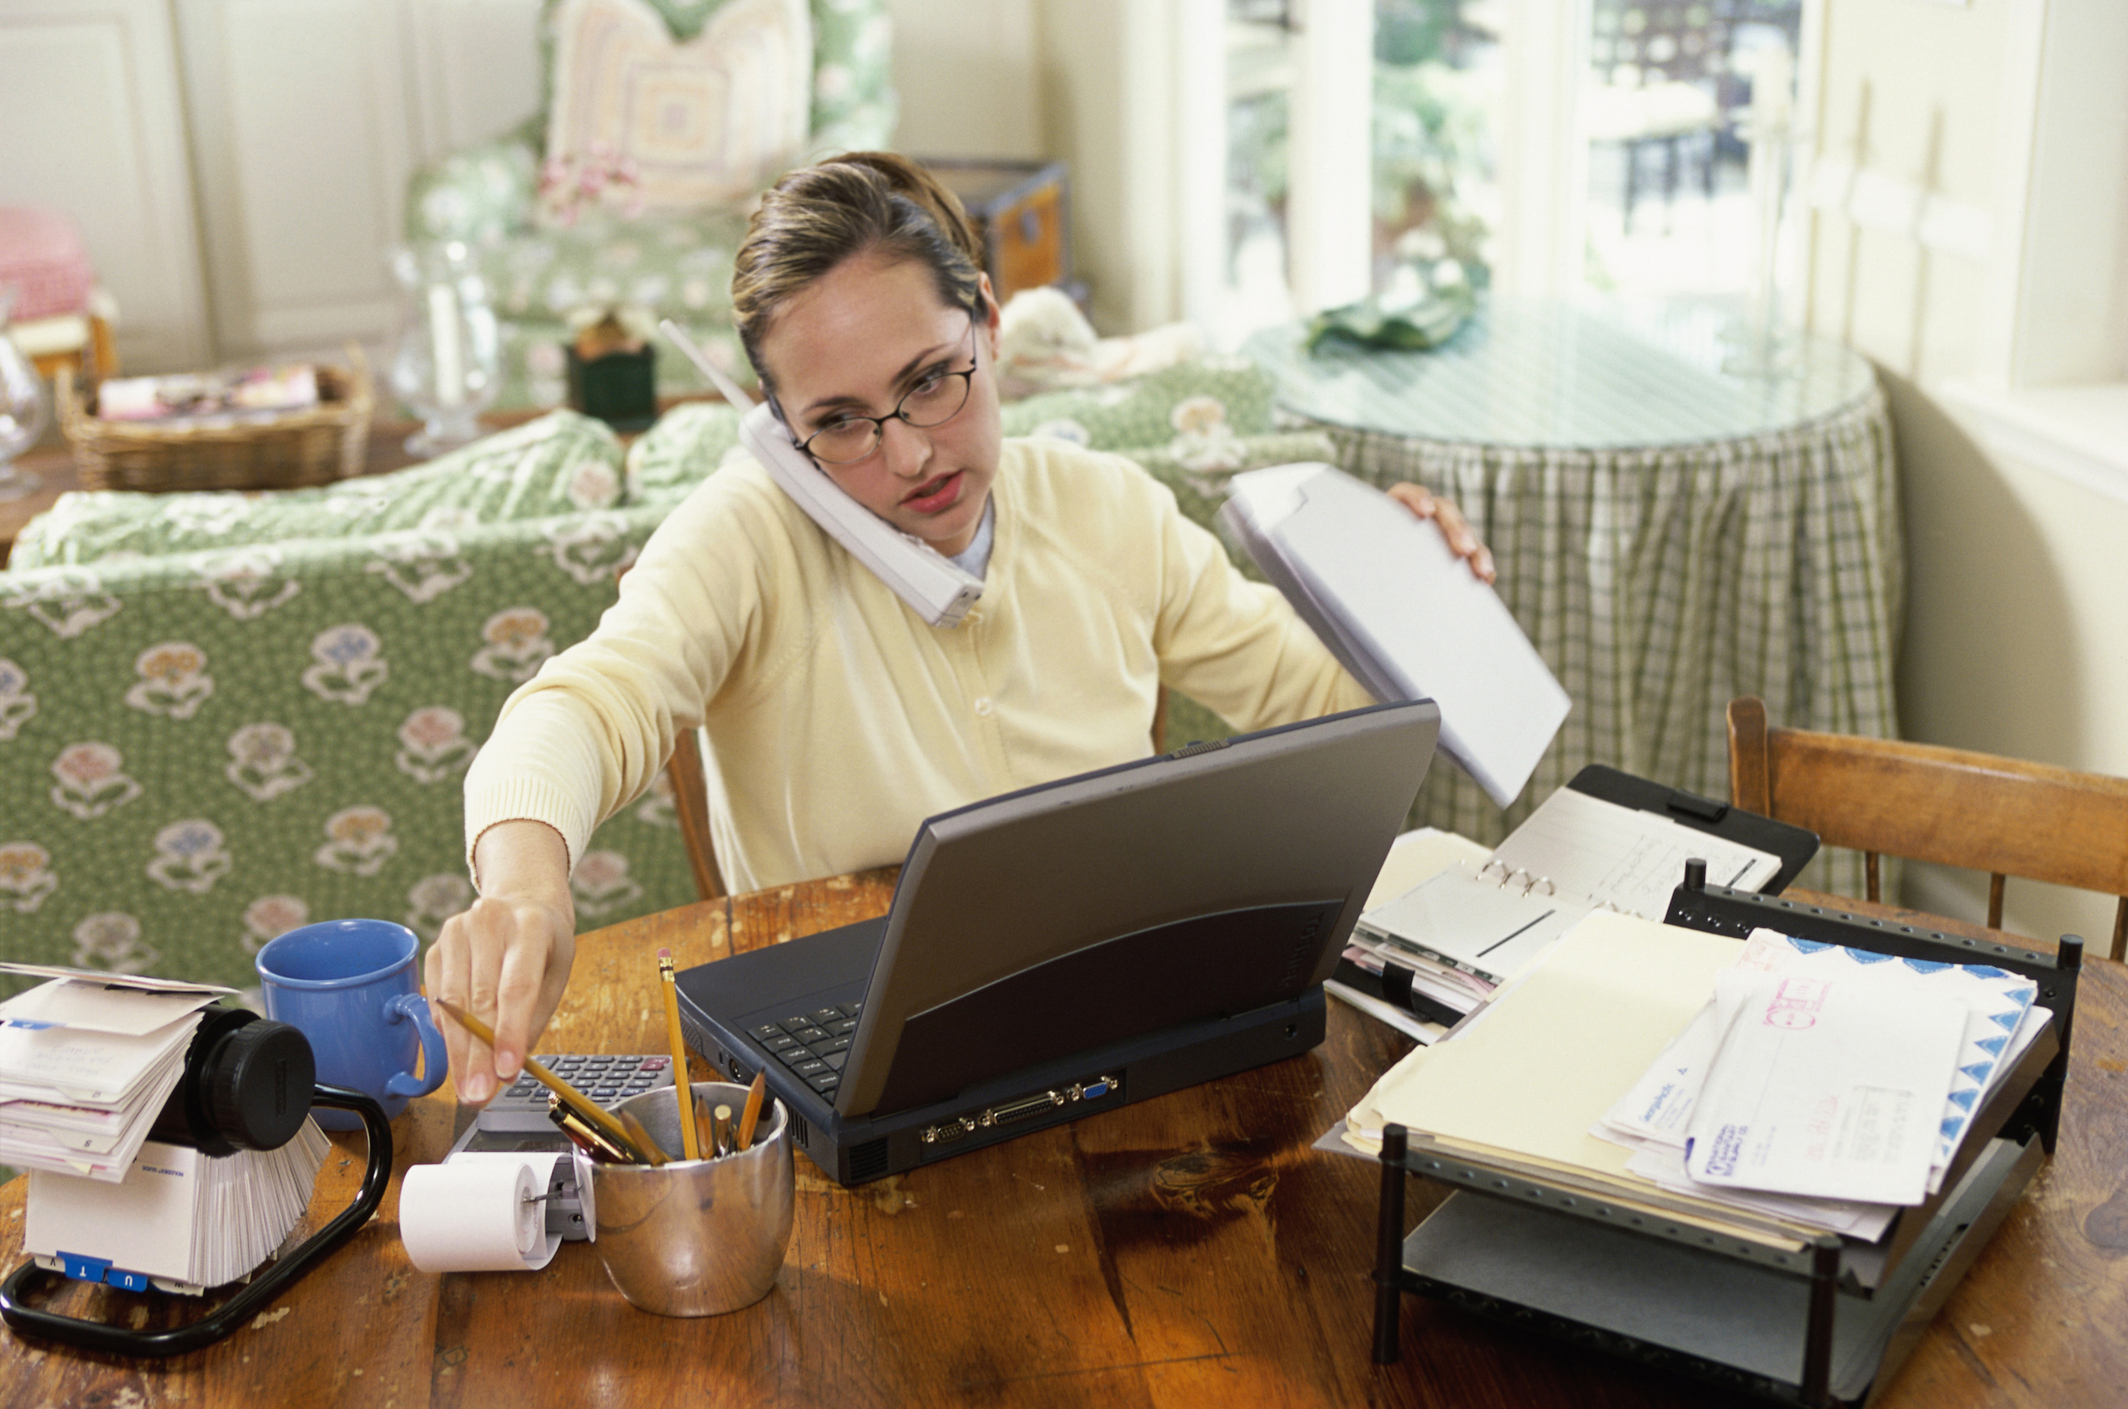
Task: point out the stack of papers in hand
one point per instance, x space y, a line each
86 1062
1402 612
1627 1043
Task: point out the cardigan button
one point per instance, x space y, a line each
983 705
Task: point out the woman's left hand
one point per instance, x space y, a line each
1427 505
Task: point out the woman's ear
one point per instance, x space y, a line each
992 316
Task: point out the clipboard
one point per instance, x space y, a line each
1793 845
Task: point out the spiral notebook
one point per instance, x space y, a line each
1582 851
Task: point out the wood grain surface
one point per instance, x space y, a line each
1189 1250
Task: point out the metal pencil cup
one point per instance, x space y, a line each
697 1237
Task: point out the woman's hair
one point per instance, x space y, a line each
857 203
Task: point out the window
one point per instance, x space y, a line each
1542 145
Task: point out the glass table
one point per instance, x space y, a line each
1668 534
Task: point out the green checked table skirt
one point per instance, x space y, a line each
1670 535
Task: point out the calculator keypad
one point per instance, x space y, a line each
608 1079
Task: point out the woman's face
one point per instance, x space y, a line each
853 343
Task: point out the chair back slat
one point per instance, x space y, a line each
1952 807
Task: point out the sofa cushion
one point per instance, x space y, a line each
558 464
853 101
678 453
648 121
1193 409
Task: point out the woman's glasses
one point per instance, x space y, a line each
933 401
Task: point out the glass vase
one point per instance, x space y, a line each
446 363
24 408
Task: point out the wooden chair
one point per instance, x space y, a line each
1948 806
690 797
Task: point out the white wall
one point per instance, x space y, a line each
95 124
307 118
2015 485
970 77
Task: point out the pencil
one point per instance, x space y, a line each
751 1116
721 1128
643 1139
587 1109
690 1137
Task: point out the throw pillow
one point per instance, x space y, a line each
652 123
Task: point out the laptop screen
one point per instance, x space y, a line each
1210 881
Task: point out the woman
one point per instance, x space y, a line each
837 718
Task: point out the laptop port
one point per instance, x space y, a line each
947 1130
1021 1109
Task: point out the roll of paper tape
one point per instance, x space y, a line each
478 1212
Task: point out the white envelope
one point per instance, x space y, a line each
1828 1088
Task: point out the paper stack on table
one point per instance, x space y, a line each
86 1062
1593 1068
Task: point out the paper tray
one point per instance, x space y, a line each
1738 1323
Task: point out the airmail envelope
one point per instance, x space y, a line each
1832 1088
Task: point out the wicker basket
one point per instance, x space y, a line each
317 445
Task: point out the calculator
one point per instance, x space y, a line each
606 1079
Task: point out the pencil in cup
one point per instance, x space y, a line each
690 1130
751 1116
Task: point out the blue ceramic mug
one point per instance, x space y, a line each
349 986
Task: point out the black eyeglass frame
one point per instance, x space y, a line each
879 423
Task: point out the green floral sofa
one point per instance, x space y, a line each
224 715
674 266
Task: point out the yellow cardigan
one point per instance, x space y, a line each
838 719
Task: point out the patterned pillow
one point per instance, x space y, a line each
559 464
679 452
1194 410
666 125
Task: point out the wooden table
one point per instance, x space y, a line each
1189 1250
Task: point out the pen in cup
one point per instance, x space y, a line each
721 1126
583 1136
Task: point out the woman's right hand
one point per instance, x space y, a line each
506 960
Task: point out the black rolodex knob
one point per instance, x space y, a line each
257 1083
247 1085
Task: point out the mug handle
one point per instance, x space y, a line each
404 1007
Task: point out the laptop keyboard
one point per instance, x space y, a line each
813 1045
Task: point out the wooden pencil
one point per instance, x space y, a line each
751 1116
690 1135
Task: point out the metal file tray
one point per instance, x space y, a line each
1825 1324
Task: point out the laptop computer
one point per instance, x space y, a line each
1077 946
